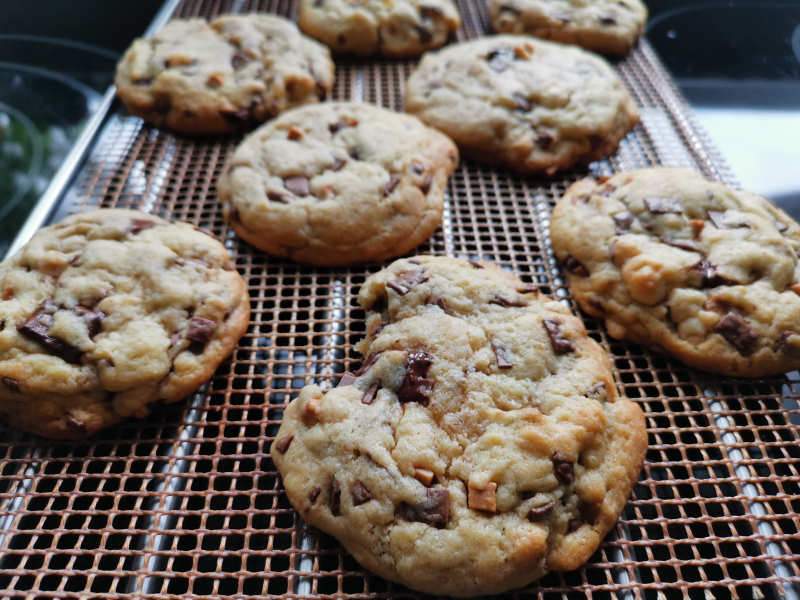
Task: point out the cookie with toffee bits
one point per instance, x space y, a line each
607 26
338 183
523 103
109 312
480 445
401 28
226 75
688 266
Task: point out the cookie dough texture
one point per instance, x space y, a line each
109 312
607 26
393 28
482 443
691 267
202 78
338 183
523 103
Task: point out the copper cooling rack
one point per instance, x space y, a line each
187 504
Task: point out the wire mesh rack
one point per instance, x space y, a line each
187 503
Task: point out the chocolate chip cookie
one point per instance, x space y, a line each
401 28
607 26
227 75
523 103
108 312
691 267
338 183
481 444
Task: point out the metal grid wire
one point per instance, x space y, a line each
187 503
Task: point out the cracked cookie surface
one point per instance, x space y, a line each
108 312
607 26
692 267
523 103
226 75
481 444
338 183
401 28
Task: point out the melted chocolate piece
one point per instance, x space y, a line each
360 493
433 510
572 265
539 513
624 221
608 21
425 35
369 395
200 330
476 264
688 245
738 333
558 342
298 185
502 355
11 383
390 185
347 379
721 221
528 289
425 184
521 102
314 494
282 445
277 197
417 168
563 468
335 498
544 140
663 205
781 227
573 525
709 277
416 387
37 329
143 81
500 59
92 318
407 280
371 360
139 225
508 303
238 60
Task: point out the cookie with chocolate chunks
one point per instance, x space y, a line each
339 183
691 267
109 312
227 75
605 26
523 103
494 447
400 28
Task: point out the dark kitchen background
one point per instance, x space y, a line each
738 63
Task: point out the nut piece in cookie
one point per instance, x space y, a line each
339 183
109 312
480 445
690 267
606 26
523 103
226 75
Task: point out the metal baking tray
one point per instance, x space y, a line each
187 503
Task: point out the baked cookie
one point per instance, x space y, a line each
481 444
400 28
607 26
691 267
338 183
227 75
529 105
108 312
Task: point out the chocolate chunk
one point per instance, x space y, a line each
314 494
433 510
440 302
200 330
390 185
722 221
476 264
277 197
623 221
37 329
560 344
502 355
282 445
528 289
683 244
544 140
238 60
338 164
500 59
298 185
663 205
425 184
371 360
425 35
738 333
92 318
11 383
143 81
508 302
608 21
539 513
347 379
407 280
781 227
369 395
709 277
563 468
417 167
139 225
360 493
335 498
521 102
572 265
416 387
